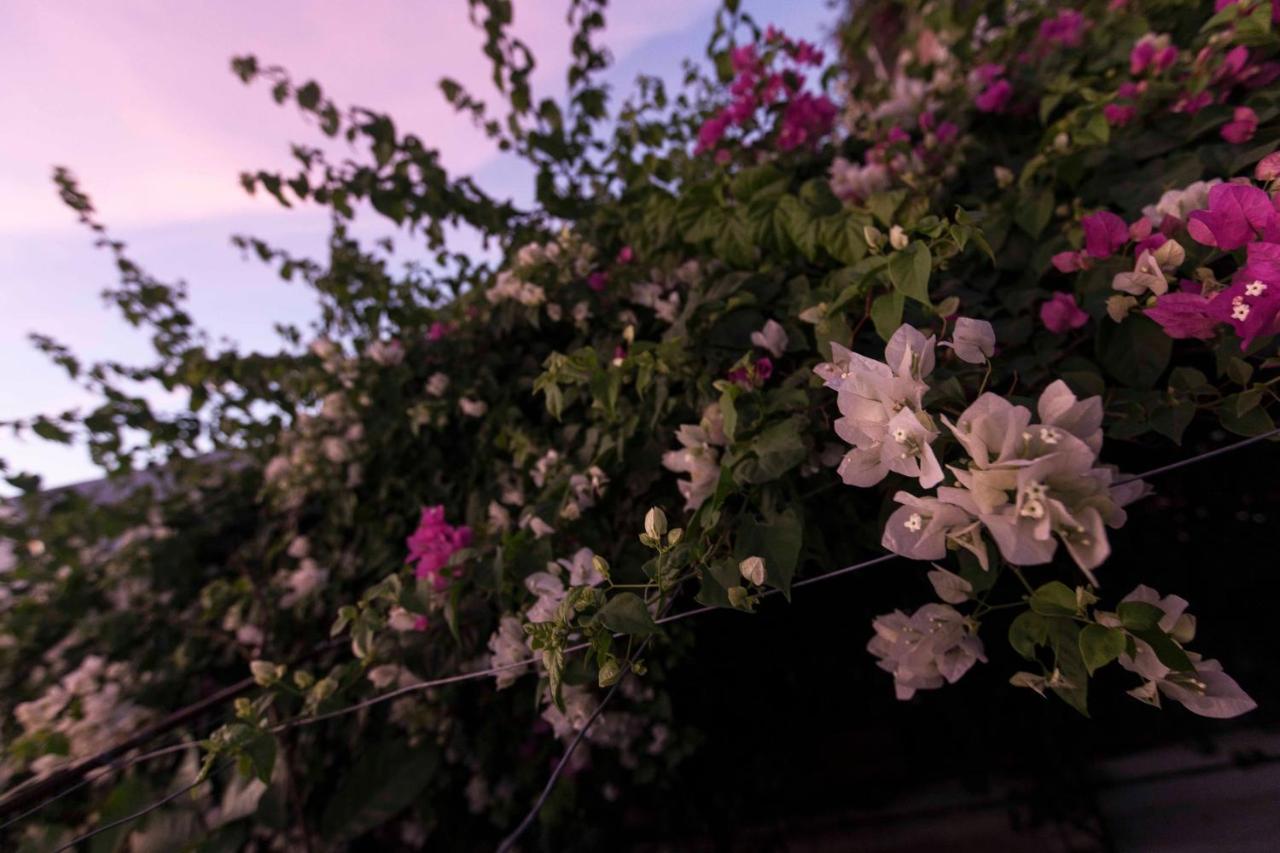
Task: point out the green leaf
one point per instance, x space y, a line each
1254 421
778 541
1099 646
386 779
777 450
1034 212
1169 652
886 313
909 271
1135 352
626 613
1028 631
1064 639
1139 615
1055 599
799 226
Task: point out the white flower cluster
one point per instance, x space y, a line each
87 708
698 456
1208 691
1028 481
933 646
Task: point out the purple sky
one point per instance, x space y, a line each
138 100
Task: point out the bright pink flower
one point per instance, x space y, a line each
1191 104
806 119
439 331
988 72
711 132
1183 315
1069 261
421 623
744 58
1237 214
947 132
897 134
805 53
433 543
1104 234
1060 314
1242 126
1251 304
764 369
1064 30
995 98
626 255
598 280
1152 52
1268 168
619 353
1118 115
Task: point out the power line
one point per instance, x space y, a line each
469 676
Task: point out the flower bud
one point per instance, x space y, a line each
610 672
1004 177
601 565
739 598
655 523
265 673
674 537
752 569
898 238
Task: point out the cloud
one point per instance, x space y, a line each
137 98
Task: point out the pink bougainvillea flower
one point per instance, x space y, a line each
1118 115
1152 52
1070 261
711 132
1268 168
1064 30
1252 303
597 280
995 97
1183 315
439 331
1237 214
1104 234
433 543
626 255
1060 313
805 120
1190 104
1242 126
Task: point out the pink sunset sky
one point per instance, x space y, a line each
137 99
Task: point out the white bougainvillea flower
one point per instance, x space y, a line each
974 341
550 591
1033 485
931 647
1208 691
772 338
949 586
698 457
473 408
1058 407
881 410
908 451
1146 277
509 645
923 527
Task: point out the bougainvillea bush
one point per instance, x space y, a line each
916 292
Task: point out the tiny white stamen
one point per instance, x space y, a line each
1048 435
1240 312
1255 288
900 435
1032 509
914 522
